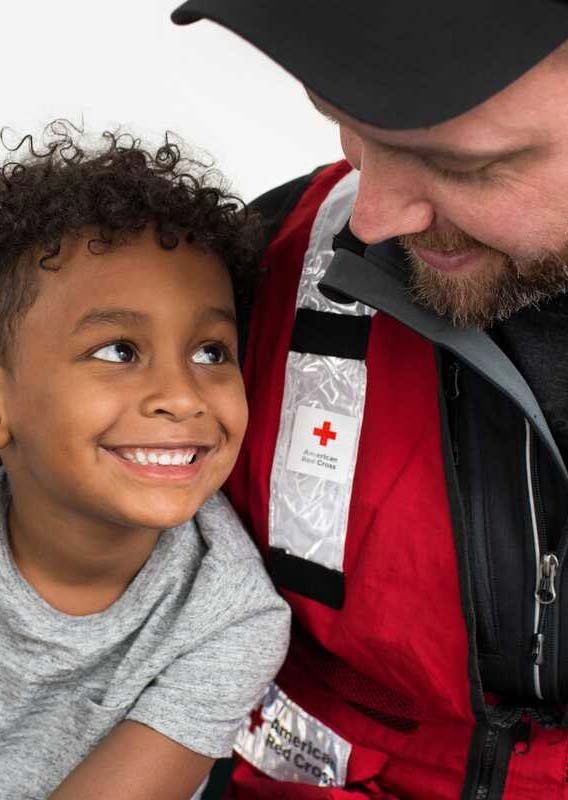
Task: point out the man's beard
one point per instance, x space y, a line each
497 288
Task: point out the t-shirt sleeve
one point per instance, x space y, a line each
238 642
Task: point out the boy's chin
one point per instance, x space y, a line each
161 518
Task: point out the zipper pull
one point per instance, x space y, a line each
538 649
546 589
546 595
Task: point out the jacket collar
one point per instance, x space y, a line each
378 281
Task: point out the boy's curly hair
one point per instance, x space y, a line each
116 191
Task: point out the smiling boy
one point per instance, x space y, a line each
129 649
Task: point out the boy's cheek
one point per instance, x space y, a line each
62 420
239 417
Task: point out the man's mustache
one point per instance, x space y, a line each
441 241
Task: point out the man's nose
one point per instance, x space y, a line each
172 390
391 201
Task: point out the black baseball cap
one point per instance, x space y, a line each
396 63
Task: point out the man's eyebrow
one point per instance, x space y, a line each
458 155
109 316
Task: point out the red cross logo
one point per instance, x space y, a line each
325 433
256 719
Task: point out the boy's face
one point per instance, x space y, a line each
124 403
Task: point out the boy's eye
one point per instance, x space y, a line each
210 354
118 352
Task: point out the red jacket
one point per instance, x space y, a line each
380 654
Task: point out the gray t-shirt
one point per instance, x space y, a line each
187 650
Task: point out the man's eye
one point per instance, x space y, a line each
473 176
210 354
118 352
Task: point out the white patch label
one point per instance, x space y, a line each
322 444
285 742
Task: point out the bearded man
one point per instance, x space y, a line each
405 469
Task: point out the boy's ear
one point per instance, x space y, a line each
5 435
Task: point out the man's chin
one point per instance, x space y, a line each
488 291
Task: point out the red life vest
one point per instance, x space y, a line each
385 668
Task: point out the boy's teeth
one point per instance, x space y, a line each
163 457
140 457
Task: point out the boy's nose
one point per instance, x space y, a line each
174 393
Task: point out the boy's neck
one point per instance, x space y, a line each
79 567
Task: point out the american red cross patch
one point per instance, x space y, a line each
323 444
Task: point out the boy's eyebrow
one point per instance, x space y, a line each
109 316
219 314
126 316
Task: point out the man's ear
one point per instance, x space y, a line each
5 434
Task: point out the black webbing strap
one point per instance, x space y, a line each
326 334
307 578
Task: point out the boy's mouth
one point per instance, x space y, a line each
162 462
159 456
155 463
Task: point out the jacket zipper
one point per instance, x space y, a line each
538 634
548 566
487 765
515 726
452 395
545 638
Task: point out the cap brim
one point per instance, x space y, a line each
395 63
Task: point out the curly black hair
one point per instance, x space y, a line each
117 190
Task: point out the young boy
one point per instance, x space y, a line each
133 636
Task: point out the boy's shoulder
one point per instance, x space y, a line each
223 532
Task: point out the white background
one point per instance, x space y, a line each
122 63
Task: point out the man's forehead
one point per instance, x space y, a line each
502 126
